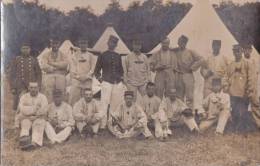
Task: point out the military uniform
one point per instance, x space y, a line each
112 88
217 106
24 69
81 67
150 106
84 113
216 66
60 122
32 116
136 72
164 78
187 62
170 114
133 120
240 81
55 77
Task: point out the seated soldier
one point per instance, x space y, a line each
60 120
150 104
217 106
174 111
32 111
86 114
129 119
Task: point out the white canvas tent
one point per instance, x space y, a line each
101 44
202 24
39 57
65 48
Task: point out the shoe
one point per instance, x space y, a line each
29 147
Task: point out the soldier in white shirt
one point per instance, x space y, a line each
32 113
217 107
81 68
87 114
60 119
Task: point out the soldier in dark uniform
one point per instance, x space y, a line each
24 69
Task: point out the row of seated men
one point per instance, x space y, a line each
130 119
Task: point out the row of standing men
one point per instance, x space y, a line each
174 75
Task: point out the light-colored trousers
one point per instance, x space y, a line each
51 82
81 124
220 119
37 127
164 81
57 137
113 95
76 89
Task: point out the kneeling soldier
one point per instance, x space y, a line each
150 104
32 107
174 111
217 106
87 114
60 120
129 119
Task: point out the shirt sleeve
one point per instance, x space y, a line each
13 73
44 105
77 111
71 121
98 67
197 61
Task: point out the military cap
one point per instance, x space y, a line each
183 38
57 92
129 93
26 43
216 81
236 47
247 46
172 91
113 38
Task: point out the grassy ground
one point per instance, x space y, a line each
183 149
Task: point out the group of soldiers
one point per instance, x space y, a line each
132 103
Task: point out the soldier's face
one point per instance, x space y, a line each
137 47
216 88
172 96
83 45
55 46
25 50
129 100
57 100
88 96
238 54
165 44
182 43
247 52
33 89
111 44
150 90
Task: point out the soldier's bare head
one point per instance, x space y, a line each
33 88
247 50
55 44
129 98
182 41
112 42
150 89
83 44
237 51
88 94
165 43
216 85
172 94
57 96
25 49
216 45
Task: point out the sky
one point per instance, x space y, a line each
100 5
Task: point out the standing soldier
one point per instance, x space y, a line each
81 68
112 88
32 107
161 63
187 63
24 69
54 64
215 66
87 114
136 70
129 119
239 82
60 119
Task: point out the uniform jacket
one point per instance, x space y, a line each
150 106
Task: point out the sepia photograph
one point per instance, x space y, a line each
130 83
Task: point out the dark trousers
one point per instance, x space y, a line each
242 119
